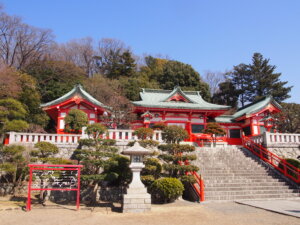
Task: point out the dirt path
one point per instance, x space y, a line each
181 212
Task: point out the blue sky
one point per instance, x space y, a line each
210 35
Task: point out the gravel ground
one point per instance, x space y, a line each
181 212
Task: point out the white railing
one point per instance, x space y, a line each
258 139
61 139
273 139
277 139
32 138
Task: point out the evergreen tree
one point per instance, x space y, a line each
13 166
100 159
177 73
117 64
75 120
215 130
288 121
12 116
266 81
175 154
242 80
55 78
256 80
226 95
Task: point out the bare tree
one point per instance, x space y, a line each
9 83
214 79
108 53
79 52
21 43
109 92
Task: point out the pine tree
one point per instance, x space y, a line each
226 95
267 82
174 154
242 80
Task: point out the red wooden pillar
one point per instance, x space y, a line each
251 127
188 126
204 120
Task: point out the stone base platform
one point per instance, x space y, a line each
137 203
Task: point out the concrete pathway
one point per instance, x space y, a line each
286 207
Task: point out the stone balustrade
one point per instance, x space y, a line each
268 139
281 139
258 139
123 136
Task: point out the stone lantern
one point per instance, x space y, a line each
137 199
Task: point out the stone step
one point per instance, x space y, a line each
248 192
256 197
240 188
233 174
214 174
239 180
262 184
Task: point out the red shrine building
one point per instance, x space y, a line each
77 98
186 109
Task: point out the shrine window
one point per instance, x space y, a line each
247 131
235 133
197 128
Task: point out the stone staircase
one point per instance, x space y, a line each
233 173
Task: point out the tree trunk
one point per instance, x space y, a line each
94 194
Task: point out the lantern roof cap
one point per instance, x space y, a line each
136 149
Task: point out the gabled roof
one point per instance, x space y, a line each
256 107
177 91
153 98
248 110
224 119
76 91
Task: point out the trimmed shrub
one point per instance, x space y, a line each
294 162
75 120
174 134
159 126
166 190
95 130
143 133
189 179
152 167
86 142
145 143
147 180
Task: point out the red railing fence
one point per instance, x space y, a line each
278 163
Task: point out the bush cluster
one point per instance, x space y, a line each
166 190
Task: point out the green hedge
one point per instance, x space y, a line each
166 190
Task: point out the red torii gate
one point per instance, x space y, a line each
49 167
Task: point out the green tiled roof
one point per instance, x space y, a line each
255 107
248 110
77 90
224 119
158 99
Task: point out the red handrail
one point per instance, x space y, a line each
199 185
278 163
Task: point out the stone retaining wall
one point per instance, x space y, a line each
285 152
